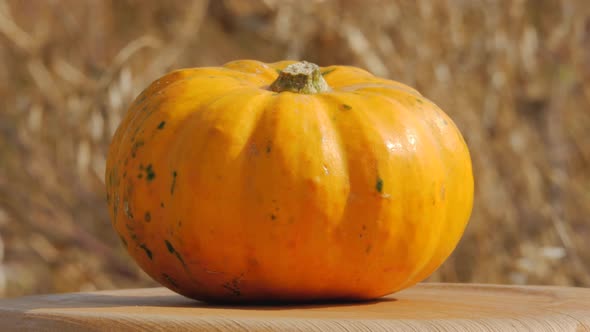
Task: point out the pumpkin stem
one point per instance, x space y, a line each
300 77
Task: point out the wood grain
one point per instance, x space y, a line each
426 307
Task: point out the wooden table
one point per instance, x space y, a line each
426 307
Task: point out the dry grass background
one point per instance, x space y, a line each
514 75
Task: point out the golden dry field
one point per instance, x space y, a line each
514 76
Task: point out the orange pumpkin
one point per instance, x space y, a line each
287 182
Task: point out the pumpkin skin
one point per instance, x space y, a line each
223 190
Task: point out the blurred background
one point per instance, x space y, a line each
514 75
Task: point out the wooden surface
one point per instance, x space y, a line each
426 307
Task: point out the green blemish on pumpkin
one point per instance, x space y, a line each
346 107
140 98
174 174
134 148
147 217
116 207
328 71
140 124
123 240
169 280
148 252
278 70
379 184
138 144
161 125
419 100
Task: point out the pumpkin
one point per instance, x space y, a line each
287 182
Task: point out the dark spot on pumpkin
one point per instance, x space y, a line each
161 204
326 72
364 227
233 286
161 125
149 173
169 246
169 280
147 217
140 176
235 291
174 174
173 251
108 198
368 249
346 107
148 252
379 185
179 258
268 147
273 217
123 240
125 174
